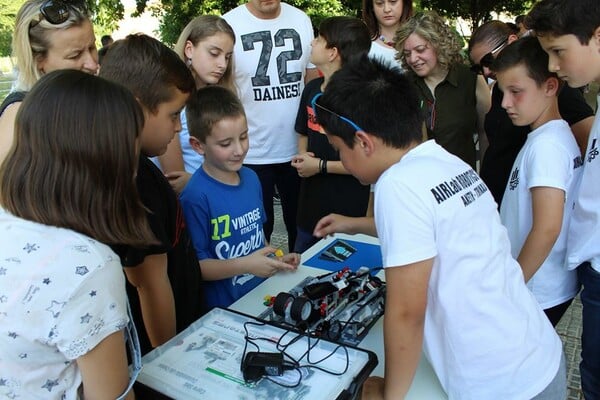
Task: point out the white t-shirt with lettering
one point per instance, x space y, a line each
550 157
584 230
485 334
270 59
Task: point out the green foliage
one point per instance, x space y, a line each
8 13
175 14
476 11
318 10
106 15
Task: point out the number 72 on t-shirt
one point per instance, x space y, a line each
261 77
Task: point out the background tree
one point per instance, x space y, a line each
8 13
175 14
476 11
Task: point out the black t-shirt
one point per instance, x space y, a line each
13 97
166 221
506 139
322 194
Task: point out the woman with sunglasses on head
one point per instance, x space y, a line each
505 139
454 98
49 35
383 18
64 315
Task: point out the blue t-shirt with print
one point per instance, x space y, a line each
225 221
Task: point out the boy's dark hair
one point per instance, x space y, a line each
520 19
376 97
148 68
348 34
528 52
208 106
74 157
565 17
106 40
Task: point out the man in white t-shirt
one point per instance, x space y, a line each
453 287
569 31
271 65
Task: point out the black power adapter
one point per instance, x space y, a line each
255 365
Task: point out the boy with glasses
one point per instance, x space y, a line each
569 31
466 306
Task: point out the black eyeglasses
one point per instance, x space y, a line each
488 59
316 105
58 11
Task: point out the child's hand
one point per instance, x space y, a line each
373 388
306 164
292 259
333 223
264 264
178 180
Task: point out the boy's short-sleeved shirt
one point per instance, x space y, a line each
549 158
61 294
485 335
225 221
583 242
505 139
166 220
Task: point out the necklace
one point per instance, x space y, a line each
389 43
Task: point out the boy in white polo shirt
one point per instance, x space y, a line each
539 195
453 287
569 31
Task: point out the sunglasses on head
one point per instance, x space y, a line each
488 59
58 11
316 106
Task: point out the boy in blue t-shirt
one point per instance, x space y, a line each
222 202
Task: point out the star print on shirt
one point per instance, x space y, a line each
13 335
2 271
50 384
82 249
81 270
47 281
86 318
2 382
53 332
29 247
56 307
23 356
3 299
92 293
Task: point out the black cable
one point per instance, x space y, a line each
293 364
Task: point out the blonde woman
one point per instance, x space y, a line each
48 36
454 98
206 46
